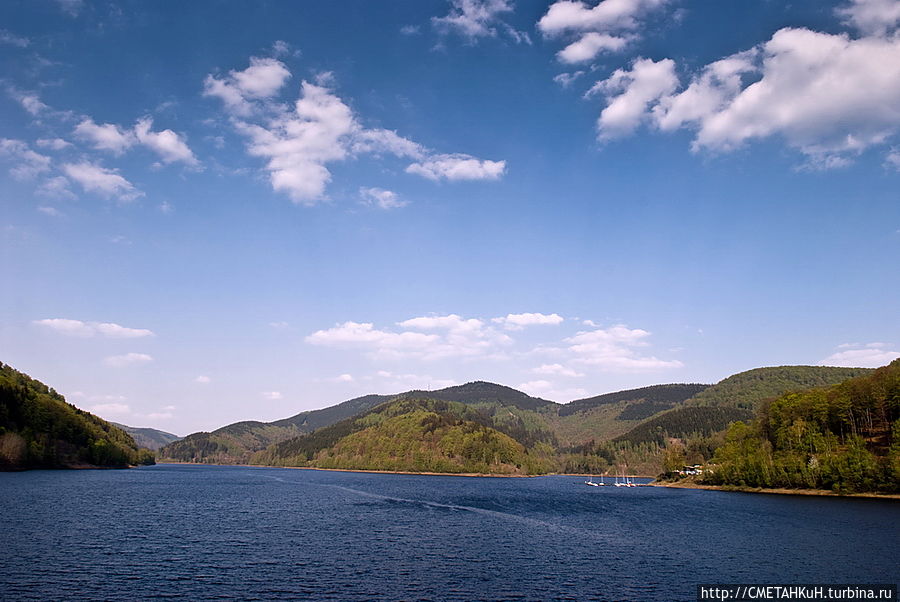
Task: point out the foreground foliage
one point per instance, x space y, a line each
845 437
38 429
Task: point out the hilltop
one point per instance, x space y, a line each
413 434
39 429
152 439
237 443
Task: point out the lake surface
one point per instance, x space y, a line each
208 532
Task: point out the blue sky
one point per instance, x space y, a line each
223 211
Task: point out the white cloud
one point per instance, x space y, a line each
105 182
828 96
608 26
203 380
457 167
7 37
53 143
108 137
519 321
272 395
547 390
51 211
872 17
56 187
110 409
568 16
29 164
280 48
383 199
344 378
557 370
30 102
893 160
631 93
474 19
299 145
167 144
300 142
425 338
263 79
615 349
128 359
90 329
589 46
871 355
565 79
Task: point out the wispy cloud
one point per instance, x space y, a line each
128 359
78 328
854 355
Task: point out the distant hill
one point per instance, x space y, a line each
607 416
152 439
747 389
410 434
236 443
684 421
38 429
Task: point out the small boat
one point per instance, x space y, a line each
591 482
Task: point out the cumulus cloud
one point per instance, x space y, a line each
615 349
427 338
381 198
167 144
263 79
608 26
300 141
519 321
871 355
108 136
89 329
590 45
871 17
128 359
829 96
630 93
105 182
457 167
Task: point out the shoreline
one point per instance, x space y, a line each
776 491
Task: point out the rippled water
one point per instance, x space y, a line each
206 532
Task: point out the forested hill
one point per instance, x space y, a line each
845 437
152 439
415 435
747 389
236 443
38 429
660 397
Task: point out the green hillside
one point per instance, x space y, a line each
152 439
845 437
237 443
683 422
747 389
611 415
410 434
38 429
656 395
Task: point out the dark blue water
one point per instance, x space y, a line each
204 532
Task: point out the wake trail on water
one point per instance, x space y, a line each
483 511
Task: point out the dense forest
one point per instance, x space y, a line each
38 429
845 437
416 435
